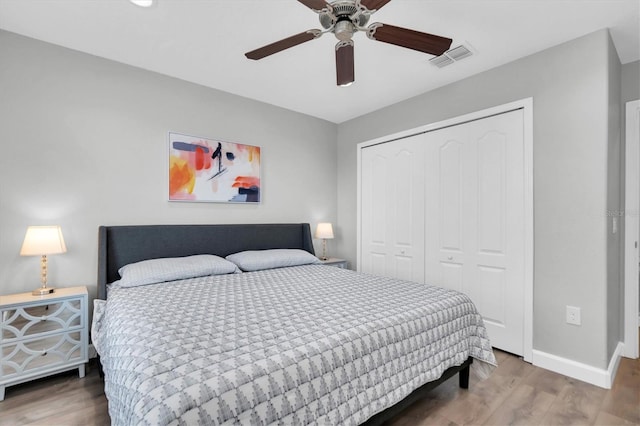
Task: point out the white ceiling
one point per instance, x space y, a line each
204 41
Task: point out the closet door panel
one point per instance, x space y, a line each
375 176
491 193
450 196
475 219
492 281
392 224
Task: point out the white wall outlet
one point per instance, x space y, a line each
573 315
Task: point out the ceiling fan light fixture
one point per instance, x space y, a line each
142 3
344 30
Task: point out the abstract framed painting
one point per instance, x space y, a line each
209 170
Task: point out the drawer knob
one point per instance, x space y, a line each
450 257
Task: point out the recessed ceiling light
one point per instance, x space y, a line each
142 3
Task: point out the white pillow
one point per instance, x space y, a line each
174 268
256 260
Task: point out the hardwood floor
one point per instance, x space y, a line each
516 393
63 399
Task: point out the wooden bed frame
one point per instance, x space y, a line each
121 245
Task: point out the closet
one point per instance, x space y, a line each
448 207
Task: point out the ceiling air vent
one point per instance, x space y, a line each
450 56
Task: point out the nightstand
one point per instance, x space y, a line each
333 261
42 335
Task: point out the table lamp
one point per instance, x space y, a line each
324 231
41 241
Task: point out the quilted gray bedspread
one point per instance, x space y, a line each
302 345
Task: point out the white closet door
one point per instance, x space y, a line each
392 207
475 219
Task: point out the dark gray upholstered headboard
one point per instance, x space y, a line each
121 245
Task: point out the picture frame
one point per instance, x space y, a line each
213 171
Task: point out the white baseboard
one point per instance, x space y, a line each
586 373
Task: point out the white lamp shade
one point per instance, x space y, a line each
324 231
142 3
41 240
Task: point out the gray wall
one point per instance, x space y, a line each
630 75
84 143
570 87
615 205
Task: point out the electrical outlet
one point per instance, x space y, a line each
573 315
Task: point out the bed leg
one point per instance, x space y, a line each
463 376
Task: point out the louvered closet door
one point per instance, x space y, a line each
475 219
392 209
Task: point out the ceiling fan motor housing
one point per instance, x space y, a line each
344 10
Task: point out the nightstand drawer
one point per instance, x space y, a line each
30 321
31 356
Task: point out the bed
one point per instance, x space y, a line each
299 344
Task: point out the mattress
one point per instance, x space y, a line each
300 345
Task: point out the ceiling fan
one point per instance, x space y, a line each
344 18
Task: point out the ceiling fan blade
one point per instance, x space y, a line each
317 5
422 42
373 5
283 44
344 63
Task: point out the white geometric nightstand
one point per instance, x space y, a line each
334 261
42 335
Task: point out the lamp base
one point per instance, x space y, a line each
42 291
